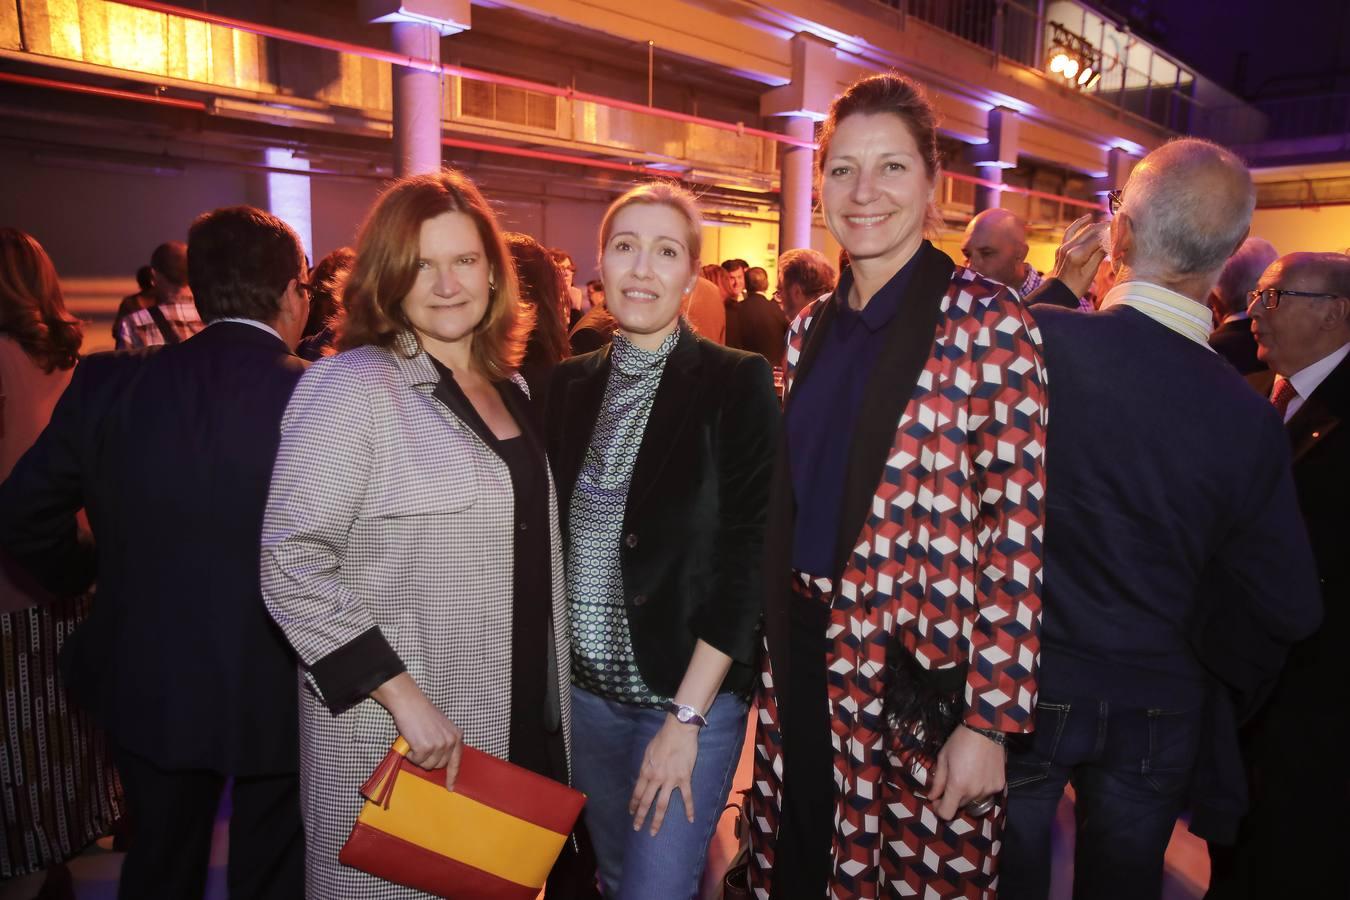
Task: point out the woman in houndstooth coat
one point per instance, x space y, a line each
411 551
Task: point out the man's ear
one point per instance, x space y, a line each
1122 237
1337 314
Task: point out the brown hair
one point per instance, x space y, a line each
541 287
900 96
32 310
386 268
720 277
325 281
660 193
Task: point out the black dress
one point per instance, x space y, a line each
536 744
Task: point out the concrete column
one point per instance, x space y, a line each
794 223
417 101
288 196
987 197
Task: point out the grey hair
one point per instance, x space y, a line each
1183 225
1242 271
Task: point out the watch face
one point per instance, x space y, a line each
685 714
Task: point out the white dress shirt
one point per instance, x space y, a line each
1306 380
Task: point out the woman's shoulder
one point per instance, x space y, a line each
973 289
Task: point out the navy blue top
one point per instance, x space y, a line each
1167 474
823 411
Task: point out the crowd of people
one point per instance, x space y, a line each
961 536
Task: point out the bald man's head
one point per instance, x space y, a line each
1312 320
996 246
1184 211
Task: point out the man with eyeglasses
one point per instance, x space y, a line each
1299 826
1176 568
170 451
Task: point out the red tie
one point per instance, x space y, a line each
1282 394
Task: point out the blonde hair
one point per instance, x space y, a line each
660 193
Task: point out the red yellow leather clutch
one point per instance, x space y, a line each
495 836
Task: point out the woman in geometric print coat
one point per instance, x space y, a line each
411 551
903 559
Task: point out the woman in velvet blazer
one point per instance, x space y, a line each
661 445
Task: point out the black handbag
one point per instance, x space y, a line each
921 707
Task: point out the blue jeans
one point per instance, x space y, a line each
1130 769
608 741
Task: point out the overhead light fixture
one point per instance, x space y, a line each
1073 58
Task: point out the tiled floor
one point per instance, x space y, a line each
1187 863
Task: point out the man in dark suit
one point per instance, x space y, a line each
1233 339
1297 746
1169 478
760 324
170 452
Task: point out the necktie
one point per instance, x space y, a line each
1282 394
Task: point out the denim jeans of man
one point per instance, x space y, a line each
608 742
1130 769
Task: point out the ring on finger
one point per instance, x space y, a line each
980 807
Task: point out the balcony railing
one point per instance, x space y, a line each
1282 118
1136 77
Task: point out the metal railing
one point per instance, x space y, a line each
1281 118
1136 77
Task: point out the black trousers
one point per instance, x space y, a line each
173 813
803 858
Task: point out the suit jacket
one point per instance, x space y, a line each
941 524
694 519
1235 342
760 328
170 452
1319 436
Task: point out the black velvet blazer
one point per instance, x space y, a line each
694 520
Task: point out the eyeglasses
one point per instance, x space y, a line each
1113 202
1270 297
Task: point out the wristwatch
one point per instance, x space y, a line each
686 714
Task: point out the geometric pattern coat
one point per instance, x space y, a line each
387 509
941 550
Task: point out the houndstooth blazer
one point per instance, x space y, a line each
388 510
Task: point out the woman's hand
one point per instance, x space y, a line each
970 767
667 764
435 741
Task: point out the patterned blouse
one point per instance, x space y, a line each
602 647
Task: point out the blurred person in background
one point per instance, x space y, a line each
577 301
804 275
144 296
996 247
325 303
57 785
760 323
1233 338
541 289
172 318
170 451
736 268
726 287
595 292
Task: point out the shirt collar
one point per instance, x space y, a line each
1173 311
1030 282
1306 380
254 322
633 360
883 306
